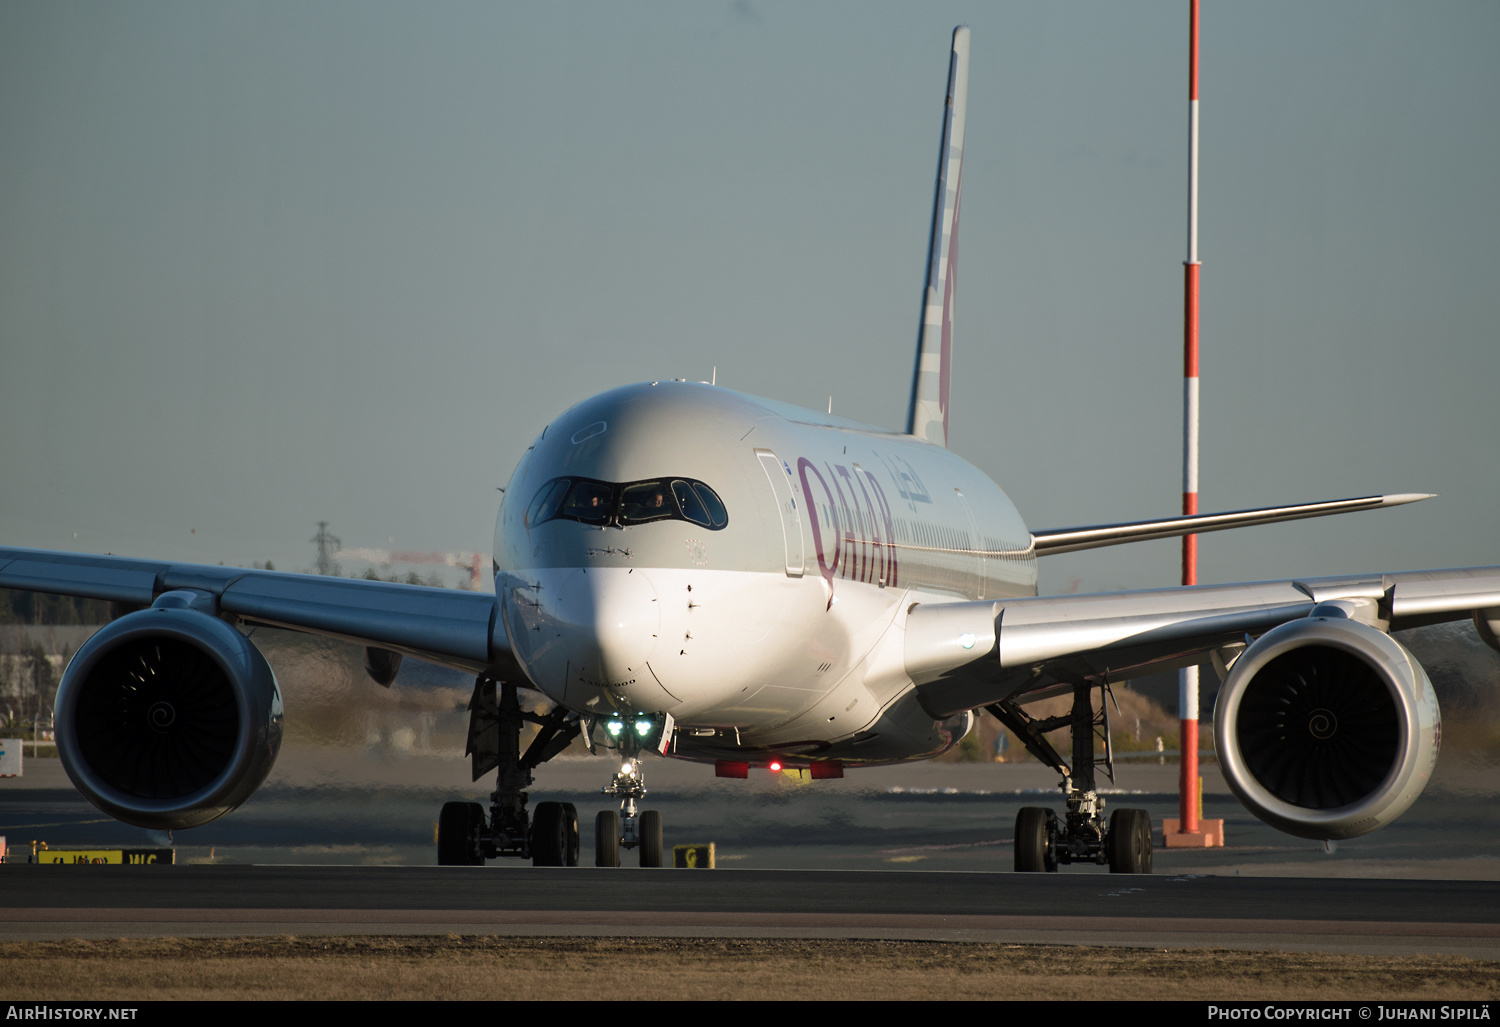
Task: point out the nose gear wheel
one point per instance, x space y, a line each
607 839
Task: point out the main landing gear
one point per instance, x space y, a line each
1082 836
549 837
466 837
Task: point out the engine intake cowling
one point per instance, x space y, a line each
168 718
1327 728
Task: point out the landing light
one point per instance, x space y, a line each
966 640
615 727
643 728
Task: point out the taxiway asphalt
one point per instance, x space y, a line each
1342 915
341 842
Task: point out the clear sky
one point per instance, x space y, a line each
265 264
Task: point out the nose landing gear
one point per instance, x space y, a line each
629 829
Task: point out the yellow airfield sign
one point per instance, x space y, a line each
129 856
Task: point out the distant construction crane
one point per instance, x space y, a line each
329 544
472 562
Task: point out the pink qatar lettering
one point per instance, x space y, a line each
876 542
803 466
844 541
854 539
867 546
888 547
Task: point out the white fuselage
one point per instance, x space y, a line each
777 630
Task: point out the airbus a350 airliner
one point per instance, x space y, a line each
686 570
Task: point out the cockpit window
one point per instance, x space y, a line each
591 502
700 504
645 502
544 506
688 502
717 515
621 505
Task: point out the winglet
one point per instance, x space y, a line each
927 416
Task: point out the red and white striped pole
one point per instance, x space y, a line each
1187 684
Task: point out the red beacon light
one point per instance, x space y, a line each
818 770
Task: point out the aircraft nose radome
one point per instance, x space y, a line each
611 619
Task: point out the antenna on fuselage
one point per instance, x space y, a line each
927 416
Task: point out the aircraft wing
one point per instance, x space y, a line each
970 654
446 626
1053 541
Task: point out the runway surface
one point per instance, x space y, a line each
912 852
1321 915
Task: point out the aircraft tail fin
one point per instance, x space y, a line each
927 416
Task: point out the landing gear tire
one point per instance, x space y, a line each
570 815
1034 853
649 829
607 839
1130 842
554 835
459 826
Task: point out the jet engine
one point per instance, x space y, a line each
1326 727
168 718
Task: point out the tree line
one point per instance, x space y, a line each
18 607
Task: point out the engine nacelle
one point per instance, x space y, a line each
1327 728
168 718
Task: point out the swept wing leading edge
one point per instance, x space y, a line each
1053 541
446 626
966 655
